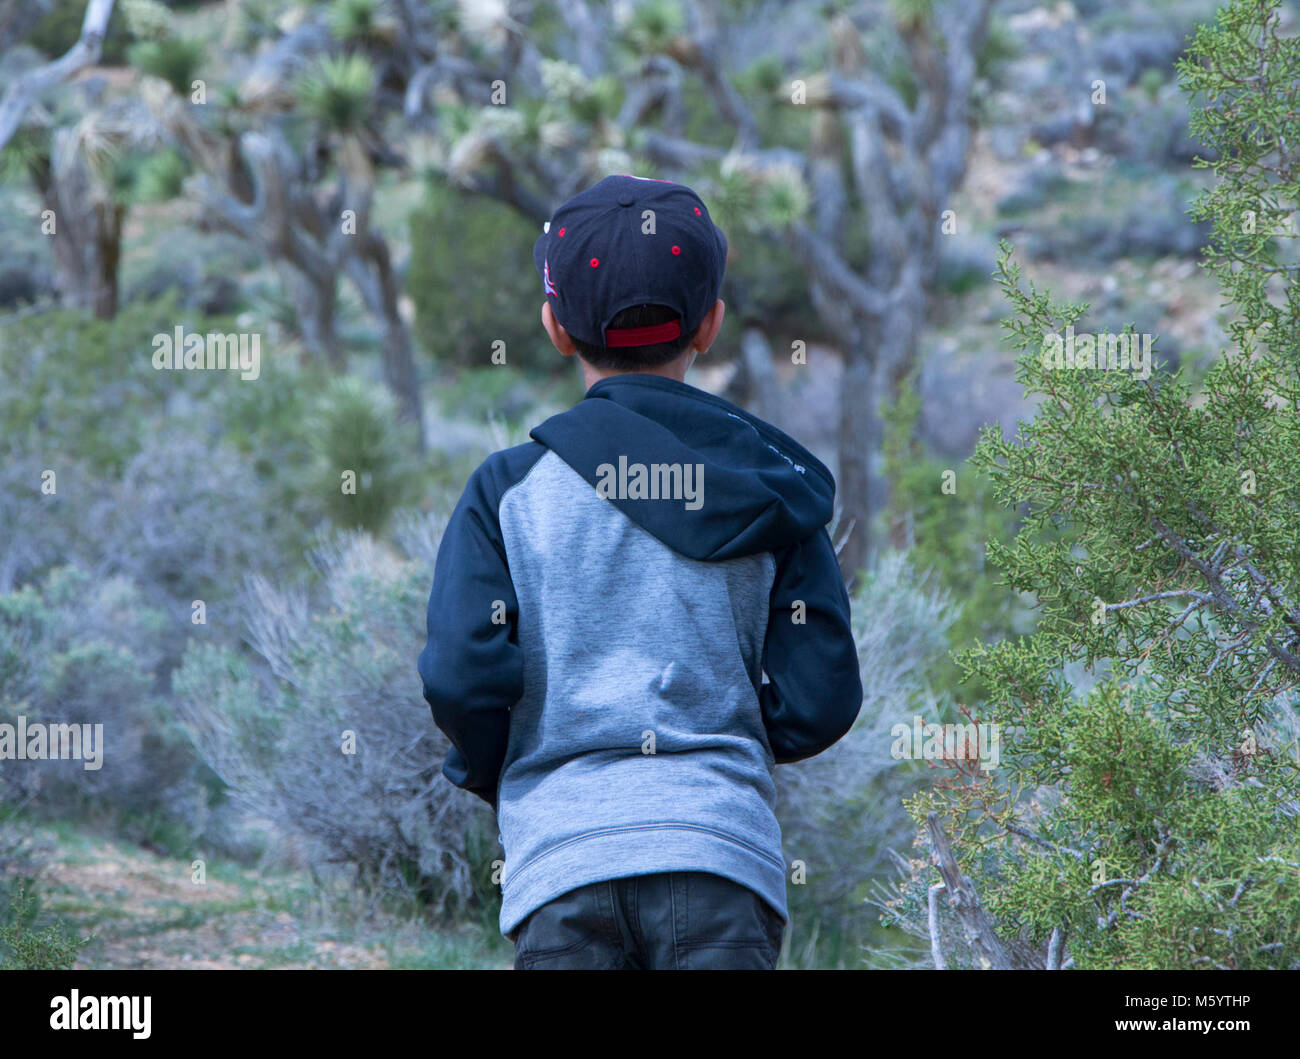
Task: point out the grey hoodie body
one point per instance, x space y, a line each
626 728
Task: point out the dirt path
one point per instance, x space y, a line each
146 912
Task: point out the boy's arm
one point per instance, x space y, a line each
816 690
472 665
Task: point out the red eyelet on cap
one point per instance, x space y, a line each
560 232
697 212
677 249
595 261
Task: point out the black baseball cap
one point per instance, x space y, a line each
602 252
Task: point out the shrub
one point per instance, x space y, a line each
457 315
358 445
25 947
276 729
153 524
186 515
1149 821
76 649
76 388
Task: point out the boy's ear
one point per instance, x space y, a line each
559 337
709 327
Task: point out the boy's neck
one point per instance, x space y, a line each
674 369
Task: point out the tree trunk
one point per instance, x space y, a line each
759 374
378 288
899 354
108 235
316 304
87 230
857 417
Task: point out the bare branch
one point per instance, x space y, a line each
702 53
1179 594
936 949
27 88
833 270
1054 949
983 939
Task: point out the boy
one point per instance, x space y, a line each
606 600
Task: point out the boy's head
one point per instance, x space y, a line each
631 269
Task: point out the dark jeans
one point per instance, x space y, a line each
670 921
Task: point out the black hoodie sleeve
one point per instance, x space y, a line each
810 655
472 665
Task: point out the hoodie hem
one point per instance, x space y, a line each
645 849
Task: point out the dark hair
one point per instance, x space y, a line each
629 358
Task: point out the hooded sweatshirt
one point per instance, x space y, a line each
634 616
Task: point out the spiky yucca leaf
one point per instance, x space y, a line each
652 26
338 92
361 22
782 197
174 59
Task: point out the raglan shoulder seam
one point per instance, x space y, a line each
543 450
498 467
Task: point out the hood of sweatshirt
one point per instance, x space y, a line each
706 478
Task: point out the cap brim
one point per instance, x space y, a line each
539 254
